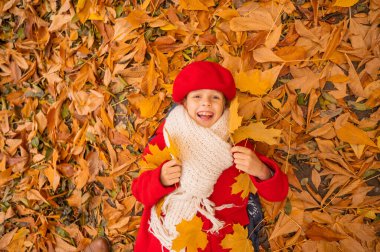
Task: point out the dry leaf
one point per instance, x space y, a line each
257 82
288 224
172 148
193 5
353 135
257 132
243 185
237 241
319 232
345 3
190 236
234 120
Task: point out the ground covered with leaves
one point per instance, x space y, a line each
84 85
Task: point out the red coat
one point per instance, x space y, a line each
148 189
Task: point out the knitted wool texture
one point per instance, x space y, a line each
205 154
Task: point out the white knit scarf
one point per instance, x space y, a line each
205 154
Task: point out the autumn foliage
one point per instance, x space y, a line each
84 84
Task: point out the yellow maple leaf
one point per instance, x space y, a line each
257 82
244 185
173 148
153 160
235 120
257 132
237 241
345 3
190 236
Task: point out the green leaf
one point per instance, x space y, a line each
35 142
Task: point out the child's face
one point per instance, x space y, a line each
205 106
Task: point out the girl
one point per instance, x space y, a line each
199 182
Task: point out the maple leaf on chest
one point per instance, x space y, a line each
244 185
234 120
190 236
172 148
156 158
237 241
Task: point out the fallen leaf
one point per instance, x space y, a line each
257 82
243 185
264 54
172 148
237 241
53 177
319 232
345 3
190 236
234 120
258 132
288 224
353 135
193 5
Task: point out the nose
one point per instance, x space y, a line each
206 102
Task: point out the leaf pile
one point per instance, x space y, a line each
85 83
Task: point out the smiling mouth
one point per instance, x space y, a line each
205 115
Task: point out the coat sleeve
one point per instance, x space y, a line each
275 188
147 188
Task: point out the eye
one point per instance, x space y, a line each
196 96
215 97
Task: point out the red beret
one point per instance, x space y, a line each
203 75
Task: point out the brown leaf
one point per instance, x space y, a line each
318 232
288 224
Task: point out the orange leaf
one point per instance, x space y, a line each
353 135
257 82
291 53
156 158
288 224
237 241
244 185
190 236
235 120
173 148
81 179
105 119
345 3
259 20
149 81
53 177
5 175
7 238
264 54
318 232
257 132
192 5
149 105
75 199
85 102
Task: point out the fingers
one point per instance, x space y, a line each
240 149
238 155
171 172
172 162
242 168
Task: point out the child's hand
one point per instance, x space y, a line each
171 172
246 160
